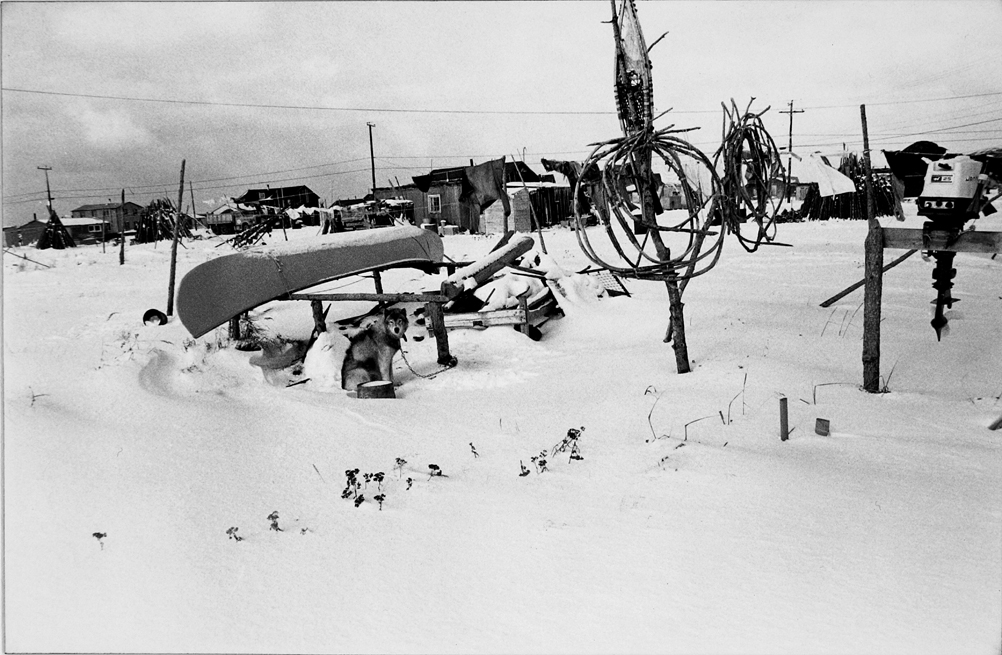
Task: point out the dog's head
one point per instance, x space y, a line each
396 322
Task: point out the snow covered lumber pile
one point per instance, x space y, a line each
471 276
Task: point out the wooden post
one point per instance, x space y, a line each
434 314
121 246
173 248
379 281
873 276
784 420
319 322
532 213
235 328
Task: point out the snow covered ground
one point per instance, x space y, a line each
687 527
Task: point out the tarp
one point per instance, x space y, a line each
484 184
814 168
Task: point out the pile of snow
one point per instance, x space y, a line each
164 493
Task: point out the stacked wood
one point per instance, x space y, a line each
157 222
258 230
850 205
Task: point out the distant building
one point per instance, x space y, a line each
230 217
23 235
291 197
545 203
441 204
87 230
798 189
672 197
119 217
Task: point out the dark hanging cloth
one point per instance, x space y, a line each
572 171
422 182
483 184
909 167
55 235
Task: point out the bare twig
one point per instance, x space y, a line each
849 324
814 396
691 422
828 321
740 393
654 434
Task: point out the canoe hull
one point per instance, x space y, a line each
214 292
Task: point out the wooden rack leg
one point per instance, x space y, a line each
433 311
319 322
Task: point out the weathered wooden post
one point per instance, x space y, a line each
873 276
435 316
121 246
319 317
784 419
173 248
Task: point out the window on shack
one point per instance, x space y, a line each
435 204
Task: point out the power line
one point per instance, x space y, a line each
489 112
140 187
909 102
313 107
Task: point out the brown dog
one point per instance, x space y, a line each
370 353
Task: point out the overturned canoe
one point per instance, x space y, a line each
220 289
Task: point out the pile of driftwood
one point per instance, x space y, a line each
258 230
850 205
157 222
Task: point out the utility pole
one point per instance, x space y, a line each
121 235
48 192
789 169
372 160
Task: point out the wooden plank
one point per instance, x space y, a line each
484 269
485 319
842 294
908 238
375 297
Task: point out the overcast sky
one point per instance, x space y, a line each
115 95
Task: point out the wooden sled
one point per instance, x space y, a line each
530 313
526 318
220 289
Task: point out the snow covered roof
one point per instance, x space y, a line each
80 222
231 207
